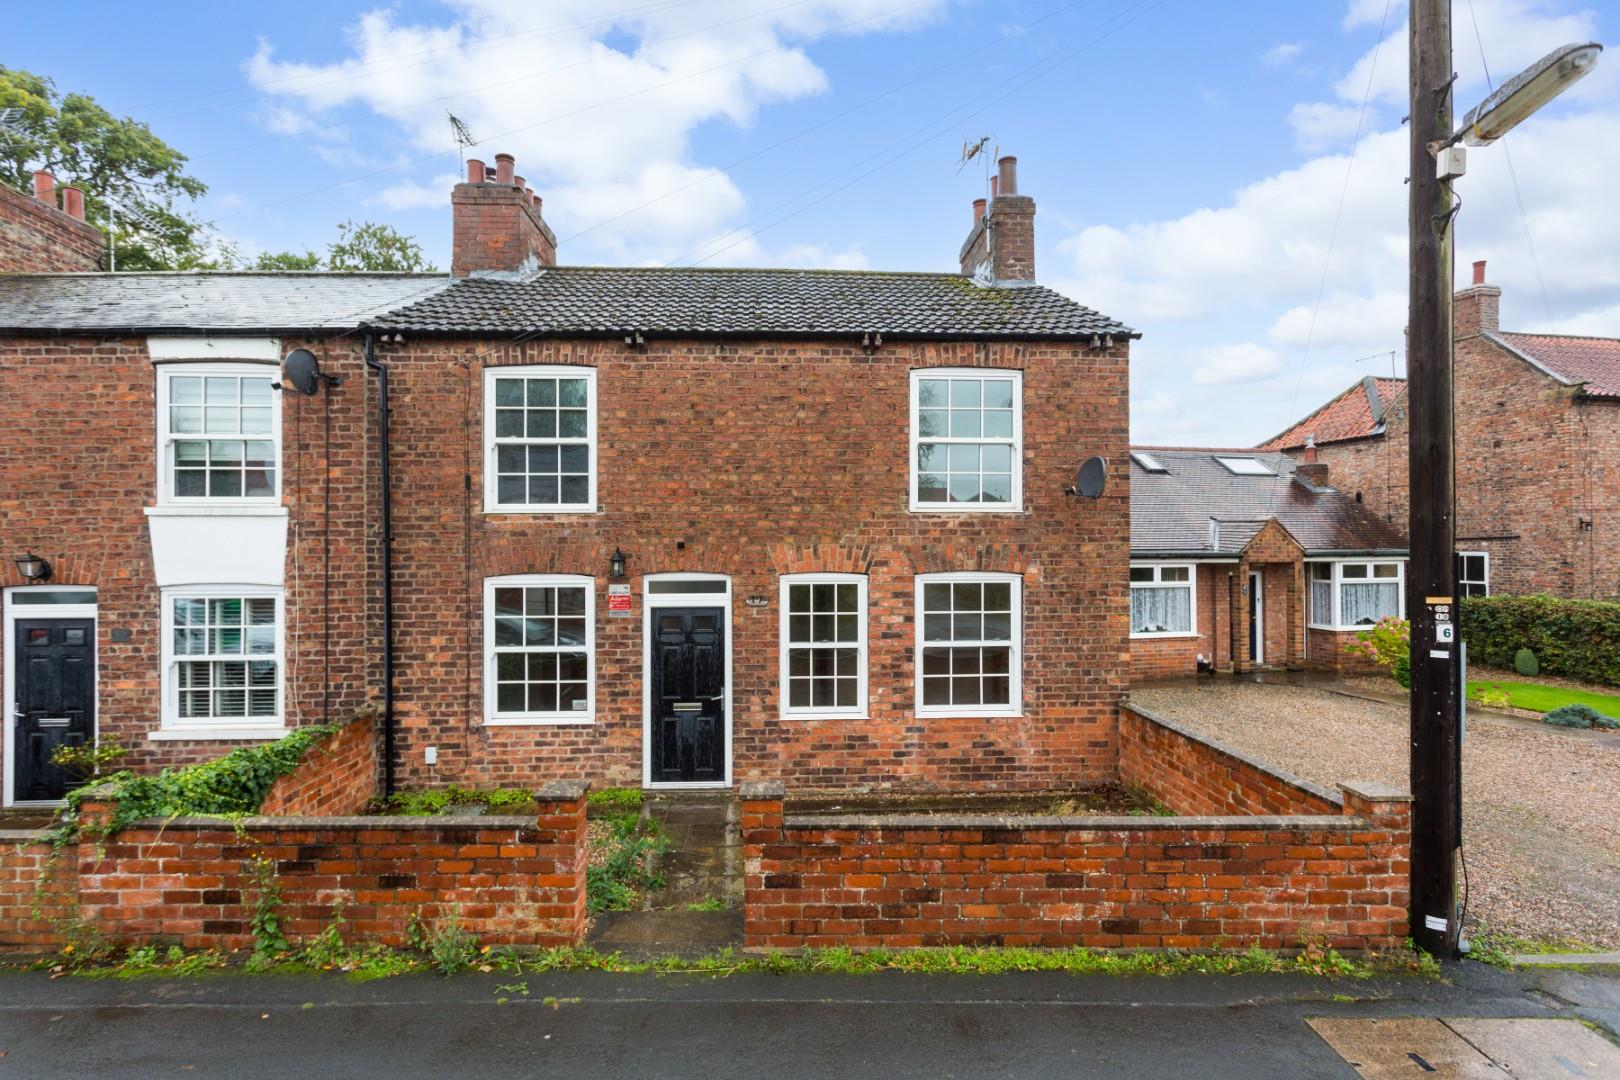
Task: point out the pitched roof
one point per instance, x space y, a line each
1594 361
1356 413
218 302
608 301
1171 511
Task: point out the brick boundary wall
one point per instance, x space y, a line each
336 777
510 880
1336 868
1193 774
32 914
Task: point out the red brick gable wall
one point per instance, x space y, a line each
36 237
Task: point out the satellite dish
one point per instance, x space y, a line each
303 370
1092 476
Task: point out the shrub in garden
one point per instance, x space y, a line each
1389 645
1577 639
1525 663
1579 716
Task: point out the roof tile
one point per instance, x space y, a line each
1594 361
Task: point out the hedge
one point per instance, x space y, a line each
1575 639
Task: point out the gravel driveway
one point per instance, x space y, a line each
1541 805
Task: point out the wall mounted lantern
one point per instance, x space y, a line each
33 568
616 563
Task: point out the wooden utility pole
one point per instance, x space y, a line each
1430 581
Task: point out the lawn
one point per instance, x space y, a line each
1538 698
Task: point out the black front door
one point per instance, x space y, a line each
56 701
688 695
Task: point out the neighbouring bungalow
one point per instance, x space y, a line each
1242 559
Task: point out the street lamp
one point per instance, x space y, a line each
1526 92
1431 573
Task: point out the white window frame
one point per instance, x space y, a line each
1338 585
1484 583
587 715
492 503
1015 663
175 726
1013 506
166 439
1191 585
858 711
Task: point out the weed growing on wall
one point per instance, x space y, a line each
621 863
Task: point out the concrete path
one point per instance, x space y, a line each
596 1025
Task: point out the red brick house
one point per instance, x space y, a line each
679 528
1538 453
1243 560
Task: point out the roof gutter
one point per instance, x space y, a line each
384 480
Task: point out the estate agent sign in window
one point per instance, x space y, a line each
540 439
966 439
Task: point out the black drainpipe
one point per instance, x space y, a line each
387 569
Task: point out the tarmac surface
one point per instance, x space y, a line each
591 1024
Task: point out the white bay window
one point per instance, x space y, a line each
1355 594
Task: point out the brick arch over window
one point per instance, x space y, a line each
821 559
998 558
507 555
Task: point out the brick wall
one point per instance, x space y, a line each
756 459
36 237
1327 651
1192 774
510 880
336 777
80 473
1168 658
36 891
1216 882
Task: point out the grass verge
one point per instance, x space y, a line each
1535 697
1498 948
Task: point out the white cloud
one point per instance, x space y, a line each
1370 12
1278 55
1321 124
1240 363
598 110
1247 268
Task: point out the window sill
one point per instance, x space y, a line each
963 508
530 511
1166 636
539 721
217 733
217 510
862 715
956 714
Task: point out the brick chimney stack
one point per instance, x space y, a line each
1476 309
497 222
37 236
1000 249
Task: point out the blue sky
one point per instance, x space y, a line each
1190 166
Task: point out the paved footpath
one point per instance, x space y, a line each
888 1026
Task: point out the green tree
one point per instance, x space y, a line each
370 246
366 246
115 161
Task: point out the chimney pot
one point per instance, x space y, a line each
73 202
45 187
1310 449
520 182
475 171
995 186
504 167
1479 272
978 211
1007 173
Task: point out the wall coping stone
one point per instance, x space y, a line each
561 791
1185 732
1299 822
443 821
24 836
762 789
1375 791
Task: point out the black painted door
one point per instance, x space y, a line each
688 695
56 701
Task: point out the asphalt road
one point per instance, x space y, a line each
886 1026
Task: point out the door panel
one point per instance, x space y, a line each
55 704
688 695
